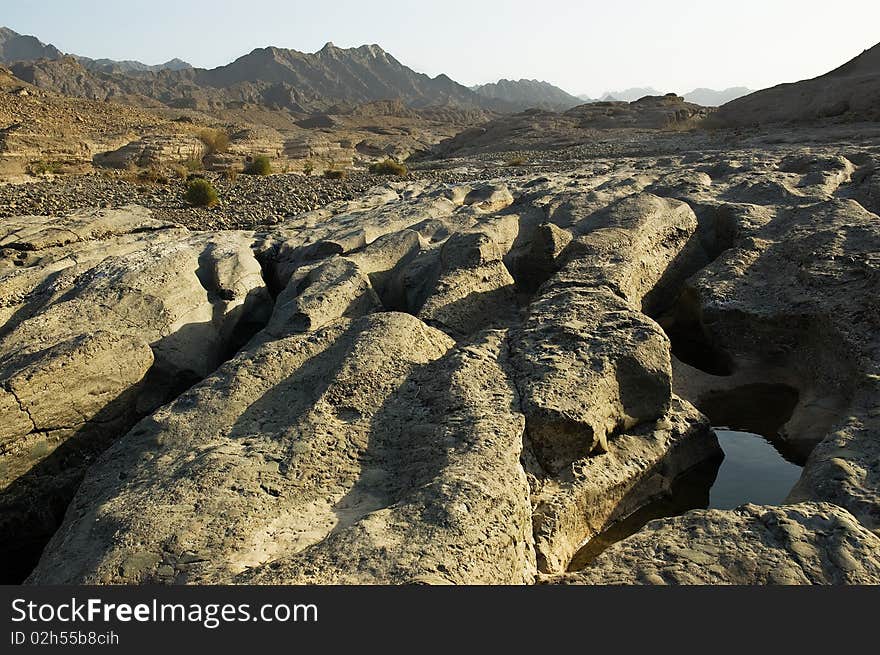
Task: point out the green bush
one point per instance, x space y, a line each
261 165
333 174
388 167
308 168
200 193
43 168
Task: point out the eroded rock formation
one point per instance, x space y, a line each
107 315
453 383
809 543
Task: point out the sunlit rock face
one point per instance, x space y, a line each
448 383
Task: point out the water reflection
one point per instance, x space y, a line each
689 491
754 408
753 470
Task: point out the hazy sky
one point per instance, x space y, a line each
584 47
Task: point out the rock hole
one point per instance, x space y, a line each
757 467
758 408
19 560
690 340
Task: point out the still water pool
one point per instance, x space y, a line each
753 471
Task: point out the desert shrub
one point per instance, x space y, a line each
179 171
388 167
308 168
200 193
335 174
192 164
214 140
516 161
152 176
43 168
148 175
261 165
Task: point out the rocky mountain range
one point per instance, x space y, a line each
275 77
18 47
349 75
130 66
529 94
289 79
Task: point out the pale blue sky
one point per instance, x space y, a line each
584 47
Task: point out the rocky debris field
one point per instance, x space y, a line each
246 202
461 377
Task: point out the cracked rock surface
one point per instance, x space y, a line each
441 383
107 315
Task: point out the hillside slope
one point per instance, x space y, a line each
850 92
20 47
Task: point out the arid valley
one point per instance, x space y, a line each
318 318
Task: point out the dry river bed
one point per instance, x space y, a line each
465 376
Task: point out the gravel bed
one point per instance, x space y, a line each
251 201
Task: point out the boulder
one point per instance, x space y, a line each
153 150
640 466
473 286
587 366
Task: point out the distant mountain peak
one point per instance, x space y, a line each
21 47
631 94
715 98
529 94
373 50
